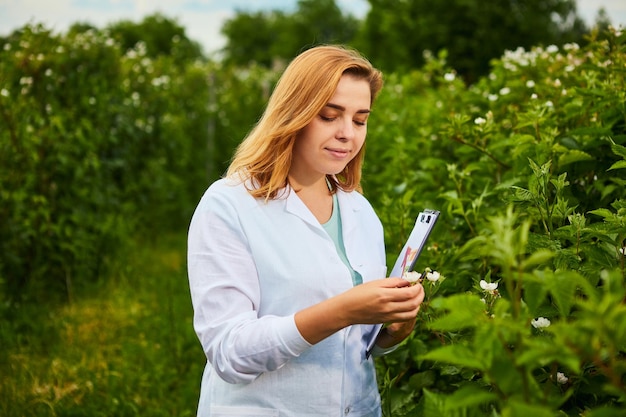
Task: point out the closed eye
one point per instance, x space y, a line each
331 119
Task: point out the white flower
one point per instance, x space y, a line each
158 81
433 276
488 286
540 323
534 96
449 76
561 378
413 276
530 83
504 91
552 49
548 104
480 121
4 92
492 97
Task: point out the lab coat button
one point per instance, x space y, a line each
346 411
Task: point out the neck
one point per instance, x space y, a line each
316 196
309 185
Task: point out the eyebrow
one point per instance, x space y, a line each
341 108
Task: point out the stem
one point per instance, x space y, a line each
481 150
459 191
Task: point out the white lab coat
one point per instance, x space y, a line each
252 265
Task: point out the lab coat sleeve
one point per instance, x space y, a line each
225 295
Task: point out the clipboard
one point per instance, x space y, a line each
410 253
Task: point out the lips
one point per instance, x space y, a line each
338 153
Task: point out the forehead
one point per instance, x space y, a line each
352 92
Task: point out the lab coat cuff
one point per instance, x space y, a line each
292 337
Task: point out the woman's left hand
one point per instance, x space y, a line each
395 333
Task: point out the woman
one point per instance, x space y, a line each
286 259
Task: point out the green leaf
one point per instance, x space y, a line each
522 194
517 408
606 412
463 310
562 286
618 165
539 257
534 294
602 212
456 354
618 149
434 404
468 396
541 351
573 155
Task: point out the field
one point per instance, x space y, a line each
125 349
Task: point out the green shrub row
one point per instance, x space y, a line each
528 169
98 144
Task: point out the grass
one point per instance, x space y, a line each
127 349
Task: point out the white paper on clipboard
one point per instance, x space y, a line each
408 257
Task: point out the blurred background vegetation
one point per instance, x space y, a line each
108 137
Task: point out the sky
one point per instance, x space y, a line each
202 19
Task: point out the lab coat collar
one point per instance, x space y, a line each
348 204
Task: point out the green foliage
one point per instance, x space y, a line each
96 143
527 167
160 35
471 33
269 38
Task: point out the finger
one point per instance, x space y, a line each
396 282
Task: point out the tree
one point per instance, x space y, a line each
601 24
250 36
396 34
264 37
160 35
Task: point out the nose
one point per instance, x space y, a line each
346 130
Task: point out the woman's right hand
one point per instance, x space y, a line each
380 301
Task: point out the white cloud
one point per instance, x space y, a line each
205 28
616 9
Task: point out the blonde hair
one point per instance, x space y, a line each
307 84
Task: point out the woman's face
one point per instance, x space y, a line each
335 135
